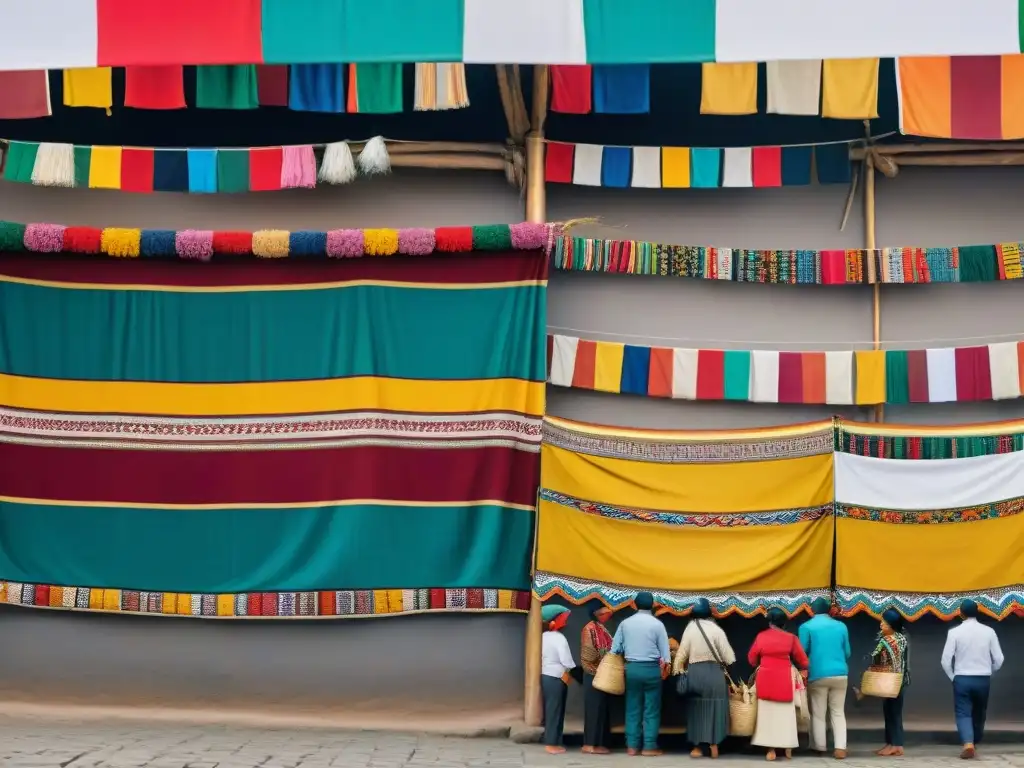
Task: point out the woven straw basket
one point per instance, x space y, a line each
742 710
881 683
611 675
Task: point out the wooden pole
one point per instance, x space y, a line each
876 293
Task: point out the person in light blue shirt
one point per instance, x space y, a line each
827 642
642 641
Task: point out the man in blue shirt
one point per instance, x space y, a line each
827 643
643 642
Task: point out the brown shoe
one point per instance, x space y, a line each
652 753
968 753
839 754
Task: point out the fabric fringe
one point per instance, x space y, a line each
380 242
338 167
298 168
122 243
54 166
194 244
440 87
374 159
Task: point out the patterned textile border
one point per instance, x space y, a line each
998 603
270 432
203 245
916 442
996 509
616 596
691 447
969 263
725 520
333 604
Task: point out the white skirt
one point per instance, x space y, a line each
776 725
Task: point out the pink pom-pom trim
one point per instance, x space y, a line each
44 238
416 241
194 244
345 243
528 235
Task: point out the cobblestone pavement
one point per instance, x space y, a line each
29 744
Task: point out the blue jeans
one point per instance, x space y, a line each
970 702
643 704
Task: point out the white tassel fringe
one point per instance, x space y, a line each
337 167
54 166
374 159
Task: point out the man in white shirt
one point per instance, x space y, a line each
556 668
971 655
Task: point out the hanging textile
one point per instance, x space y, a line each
849 89
728 89
794 87
227 87
316 88
571 89
622 89
272 85
154 87
24 94
89 87
375 88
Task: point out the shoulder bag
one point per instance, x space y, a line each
682 680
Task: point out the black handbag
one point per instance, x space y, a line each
682 679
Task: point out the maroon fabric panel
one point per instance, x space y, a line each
976 97
917 375
791 377
973 374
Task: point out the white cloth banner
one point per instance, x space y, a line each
910 485
522 32
794 87
941 375
736 169
1004 368
646 167
563 360
839 378
48 34
756 30
764 376
586 169
684 374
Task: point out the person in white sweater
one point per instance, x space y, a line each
704 653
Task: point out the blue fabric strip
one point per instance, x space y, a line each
796 166
202 170
316 87
622 89
705 167
636 366
833 163
615 166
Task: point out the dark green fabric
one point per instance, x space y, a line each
83 161
379 88
12 236
978 264
266 550
232 170
737 375
358 330
897 377
21 159
643 704
227 87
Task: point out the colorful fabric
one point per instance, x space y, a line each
155 87
728 89
24 94
272 85
88 87
586 470
375 88
139 430
794 87
571 89
849 89
227 87
622 89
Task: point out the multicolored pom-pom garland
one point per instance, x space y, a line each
203 245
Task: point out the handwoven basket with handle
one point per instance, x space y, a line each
611 675
742 710
881 682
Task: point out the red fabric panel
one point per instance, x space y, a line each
973 374
155 87
268 604
791 377
272 82
659 377
24 95
917 375
453 239
586 360
767 166
710 374
437 598
571 89
474 598
265 169
135 32
327 604
558 162
494 267
42 596
833 267
522 600
136 170
298 475
253 604
976 97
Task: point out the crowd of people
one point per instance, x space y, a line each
802 675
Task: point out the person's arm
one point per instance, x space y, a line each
996 652
564 654
947 655
846 642
663 649
799 655
682 652
725 648
754 655
618 641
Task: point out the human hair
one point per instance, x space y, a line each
821 605
777 618
701 609
894 619
969 609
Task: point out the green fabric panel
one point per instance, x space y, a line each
266 550
359 330
379 88
21 159
642 31
737 375
232 170
897 377
227 87
83 160
978 264
357 31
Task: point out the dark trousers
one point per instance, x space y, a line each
970 702
554 692
892 711
597 729
643 704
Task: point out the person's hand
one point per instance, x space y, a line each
803 673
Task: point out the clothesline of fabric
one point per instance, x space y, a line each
861 377
865 266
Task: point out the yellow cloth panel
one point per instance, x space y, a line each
870 376
96 599
608 366
88 87
849 88
358 393
184 606
732 487
944 557
225 605
56 597
168 602
112 599
506 599
105 168
387 601
728 89
763 558
675 167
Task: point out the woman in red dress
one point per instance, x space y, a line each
774 654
